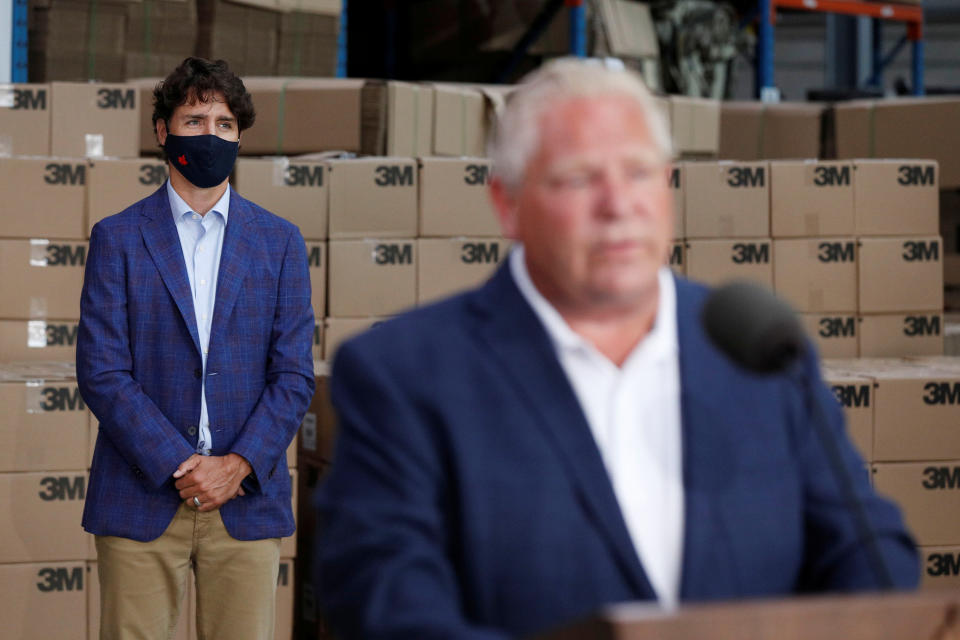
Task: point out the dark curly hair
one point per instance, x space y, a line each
201 79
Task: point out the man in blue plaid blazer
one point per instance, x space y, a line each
194 353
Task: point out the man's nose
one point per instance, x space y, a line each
614 194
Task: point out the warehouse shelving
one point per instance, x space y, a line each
910 15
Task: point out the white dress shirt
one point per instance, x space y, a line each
634 414
201 238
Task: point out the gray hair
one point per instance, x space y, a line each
516 136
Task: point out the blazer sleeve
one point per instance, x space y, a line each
839 555
381 564
131 420
276 417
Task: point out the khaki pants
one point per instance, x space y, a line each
142 583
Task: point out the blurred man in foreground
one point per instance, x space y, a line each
566 436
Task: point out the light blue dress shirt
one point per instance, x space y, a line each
201 238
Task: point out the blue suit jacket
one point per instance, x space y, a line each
468 499
139 366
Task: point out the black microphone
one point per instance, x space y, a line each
760 332
752 326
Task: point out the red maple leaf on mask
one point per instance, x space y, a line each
182 160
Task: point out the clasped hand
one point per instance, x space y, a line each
213 480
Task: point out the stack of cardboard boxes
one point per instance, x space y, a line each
110 40
853 246
902 414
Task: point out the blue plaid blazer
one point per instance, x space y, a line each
140 371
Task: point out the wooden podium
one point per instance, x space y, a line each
900 616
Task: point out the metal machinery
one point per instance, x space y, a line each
699 40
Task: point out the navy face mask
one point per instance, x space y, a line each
204 160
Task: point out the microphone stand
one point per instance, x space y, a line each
840 472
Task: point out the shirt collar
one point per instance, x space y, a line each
660 342
179 206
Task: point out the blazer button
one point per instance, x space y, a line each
197 373
192 430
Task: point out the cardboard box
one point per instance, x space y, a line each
373 198
459 121
941 567
116 184
372 277
927 495
726 200
791 130
43 426
835 335
902 128
896 197
717 261
317 336
317 431
72 40
757 131
286 579
816 274
397 118
289 187
307 43
678 259
47 508
38 340
916 411
810 198
44 600
41 278
317 263
95 119
303 115
455 199
24 119
450 265
145 87
900 274
678 189
854 393
918 333
694 126
185 623
741 131
244 33
336 330
42 197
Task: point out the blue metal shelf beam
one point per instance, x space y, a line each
912 16
18 57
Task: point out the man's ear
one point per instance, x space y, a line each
160 128
505 205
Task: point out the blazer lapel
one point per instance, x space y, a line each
709 565
516 337
234 262
163 243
